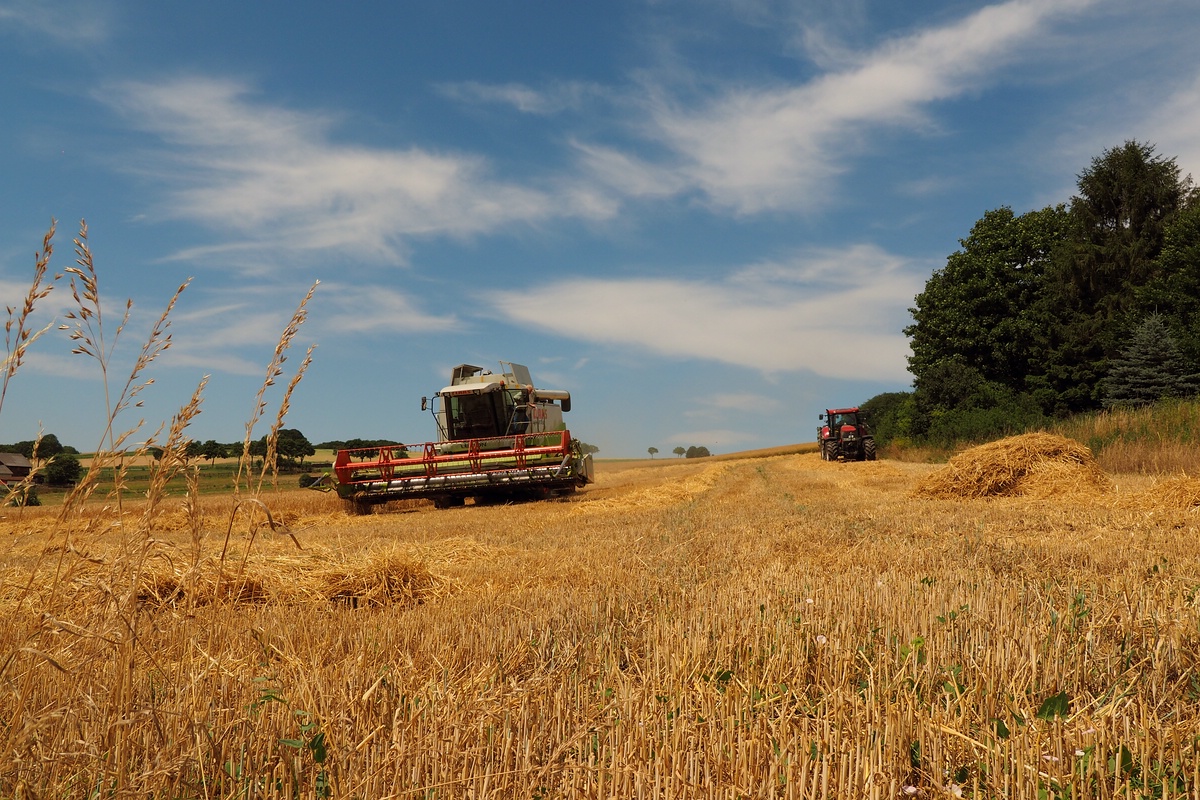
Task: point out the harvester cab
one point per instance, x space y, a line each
479 404
498 438
845 436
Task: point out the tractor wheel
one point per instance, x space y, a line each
869 449
829 451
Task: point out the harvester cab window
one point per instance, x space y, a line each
477 416
472 416
519 420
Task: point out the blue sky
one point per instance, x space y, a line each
707 220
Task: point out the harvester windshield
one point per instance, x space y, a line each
482 414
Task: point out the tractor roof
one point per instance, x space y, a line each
841 410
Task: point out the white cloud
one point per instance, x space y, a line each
754 149
1175 128
236 332
720 402
376 310
719 439
556 98
629 175
838 315
78 23
275 179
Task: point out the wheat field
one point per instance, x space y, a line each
776 626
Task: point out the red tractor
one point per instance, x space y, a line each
845 436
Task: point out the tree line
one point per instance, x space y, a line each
1070 308
690 452
62 466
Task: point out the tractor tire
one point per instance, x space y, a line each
869 449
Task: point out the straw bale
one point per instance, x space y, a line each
379 579
382 579
1182 494
1036 465
204 586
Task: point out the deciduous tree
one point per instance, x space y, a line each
63 470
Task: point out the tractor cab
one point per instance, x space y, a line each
845 436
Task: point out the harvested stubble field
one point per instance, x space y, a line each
760 627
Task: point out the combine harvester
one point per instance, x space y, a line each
498 439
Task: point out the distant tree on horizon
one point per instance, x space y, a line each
47 448
293 445
63 470
679 451
652 451
212 450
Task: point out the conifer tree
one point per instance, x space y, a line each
1149 368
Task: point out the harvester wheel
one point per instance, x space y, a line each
869 449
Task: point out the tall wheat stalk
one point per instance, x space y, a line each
18 335
274 370
87 331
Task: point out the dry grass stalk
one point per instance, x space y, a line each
19 336
18 333
270 461
172 460
274 370
87 331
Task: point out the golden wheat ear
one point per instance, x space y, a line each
274 370
18 335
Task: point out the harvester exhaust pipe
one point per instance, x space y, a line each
564 397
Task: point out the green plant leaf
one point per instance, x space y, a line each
317 746
1056 705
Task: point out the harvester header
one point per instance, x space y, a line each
498 438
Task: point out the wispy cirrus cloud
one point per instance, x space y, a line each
555 98
68 23
838 314
756 148
274 179
1175 127
375 309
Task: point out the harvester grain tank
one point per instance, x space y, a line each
498 438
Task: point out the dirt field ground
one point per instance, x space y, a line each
774 626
